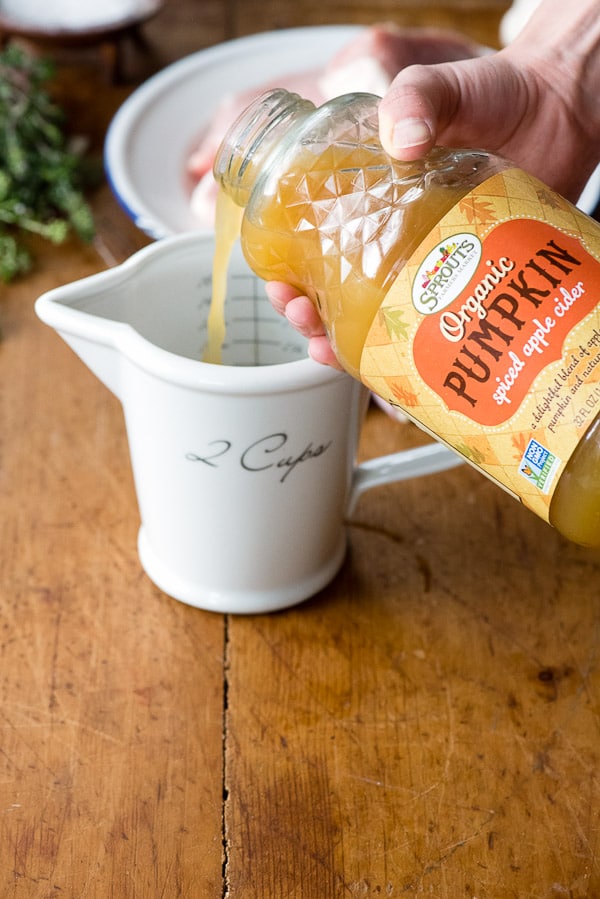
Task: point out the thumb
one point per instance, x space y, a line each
469 103
409 112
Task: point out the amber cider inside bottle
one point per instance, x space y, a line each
328 211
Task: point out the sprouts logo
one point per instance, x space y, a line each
445 272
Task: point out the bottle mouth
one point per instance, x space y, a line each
248 141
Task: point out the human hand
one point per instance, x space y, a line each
535 102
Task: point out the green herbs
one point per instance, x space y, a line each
41 172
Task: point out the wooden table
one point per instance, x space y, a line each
427 725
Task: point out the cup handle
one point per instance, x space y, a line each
412 463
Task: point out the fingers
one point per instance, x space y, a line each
469 103
280 294
303 317
320 350
408 116
298 309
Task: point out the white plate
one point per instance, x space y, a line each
149 139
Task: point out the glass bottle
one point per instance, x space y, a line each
457 287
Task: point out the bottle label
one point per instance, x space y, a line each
490 335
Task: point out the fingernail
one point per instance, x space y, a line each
410 133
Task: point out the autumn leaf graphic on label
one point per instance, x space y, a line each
471 453
520 443
477 209
404 397
395 325
549 198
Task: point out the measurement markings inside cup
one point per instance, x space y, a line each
245 290
252 325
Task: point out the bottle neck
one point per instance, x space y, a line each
252 137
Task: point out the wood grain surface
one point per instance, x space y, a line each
427 725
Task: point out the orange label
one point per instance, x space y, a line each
490 335
482 353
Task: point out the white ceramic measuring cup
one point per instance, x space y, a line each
245 472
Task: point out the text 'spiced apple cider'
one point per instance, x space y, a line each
456 287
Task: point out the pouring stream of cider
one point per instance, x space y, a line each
228 220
